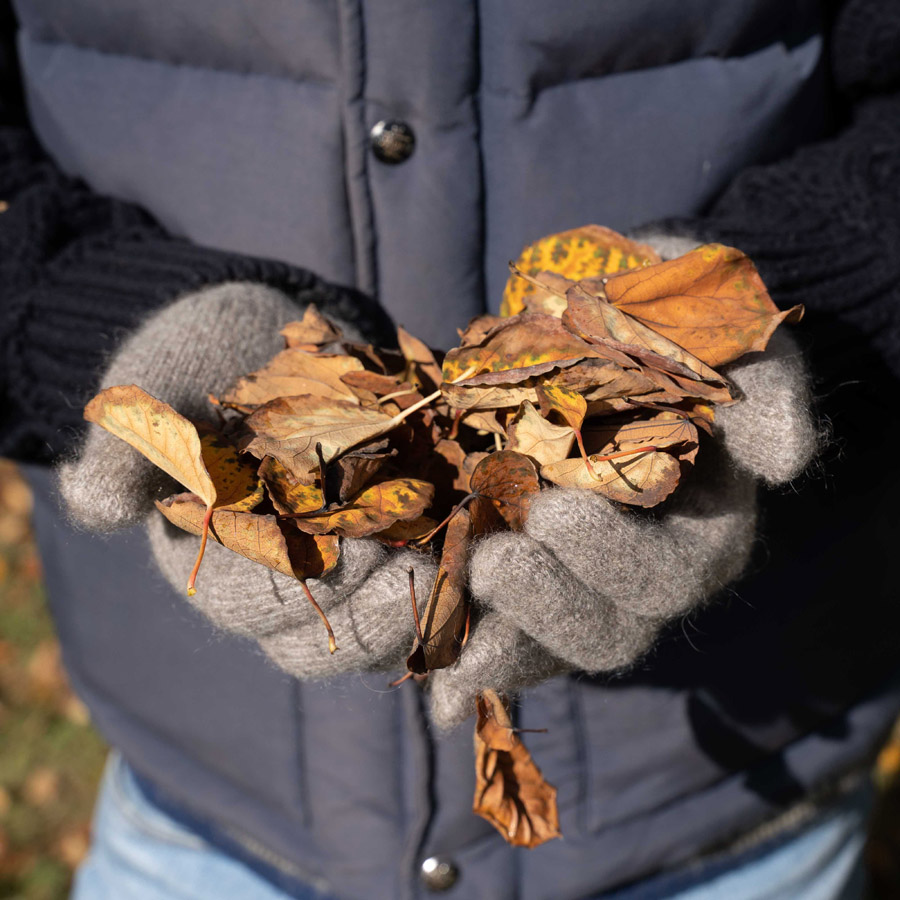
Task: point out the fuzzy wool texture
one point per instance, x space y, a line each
776 403
366 599
498 656
589 585
198 345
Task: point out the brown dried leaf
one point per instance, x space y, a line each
347 475
290 373
517 349
400 533
664 430
289 428
445 616
484 421
600 379
286 493
173 444
595 319
487 398
510 791
710 301
477 328
532 435
504 482
421 363
644 479
154 429
375 509
570 406
264 539
313 329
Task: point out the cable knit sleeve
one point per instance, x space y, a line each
78 271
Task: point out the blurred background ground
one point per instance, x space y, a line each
51 758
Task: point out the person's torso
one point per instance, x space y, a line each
247 127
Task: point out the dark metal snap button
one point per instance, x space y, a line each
438 873
392 141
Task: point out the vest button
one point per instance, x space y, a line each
438 873
392 142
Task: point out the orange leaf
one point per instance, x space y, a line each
710 301
504 482
510 791
376 508
313 329
263 539
444 619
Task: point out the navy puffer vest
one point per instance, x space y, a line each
247 127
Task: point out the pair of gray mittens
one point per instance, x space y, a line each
586 586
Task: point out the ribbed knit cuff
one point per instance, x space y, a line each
59 331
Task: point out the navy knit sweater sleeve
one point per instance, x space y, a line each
823 226
78 271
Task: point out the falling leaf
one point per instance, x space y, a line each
314 329
288 429
710 301
263 538
642 479
579 253
532 435
505 483
290 373
445 616
510 791
517 349
373 510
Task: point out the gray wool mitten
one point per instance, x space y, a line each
366 599
589 585
201 344
198 345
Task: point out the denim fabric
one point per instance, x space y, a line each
141 853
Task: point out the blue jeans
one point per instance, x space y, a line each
140 853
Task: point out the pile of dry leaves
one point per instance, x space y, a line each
600 374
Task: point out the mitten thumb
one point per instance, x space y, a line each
198 345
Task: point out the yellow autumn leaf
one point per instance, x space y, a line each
584 252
